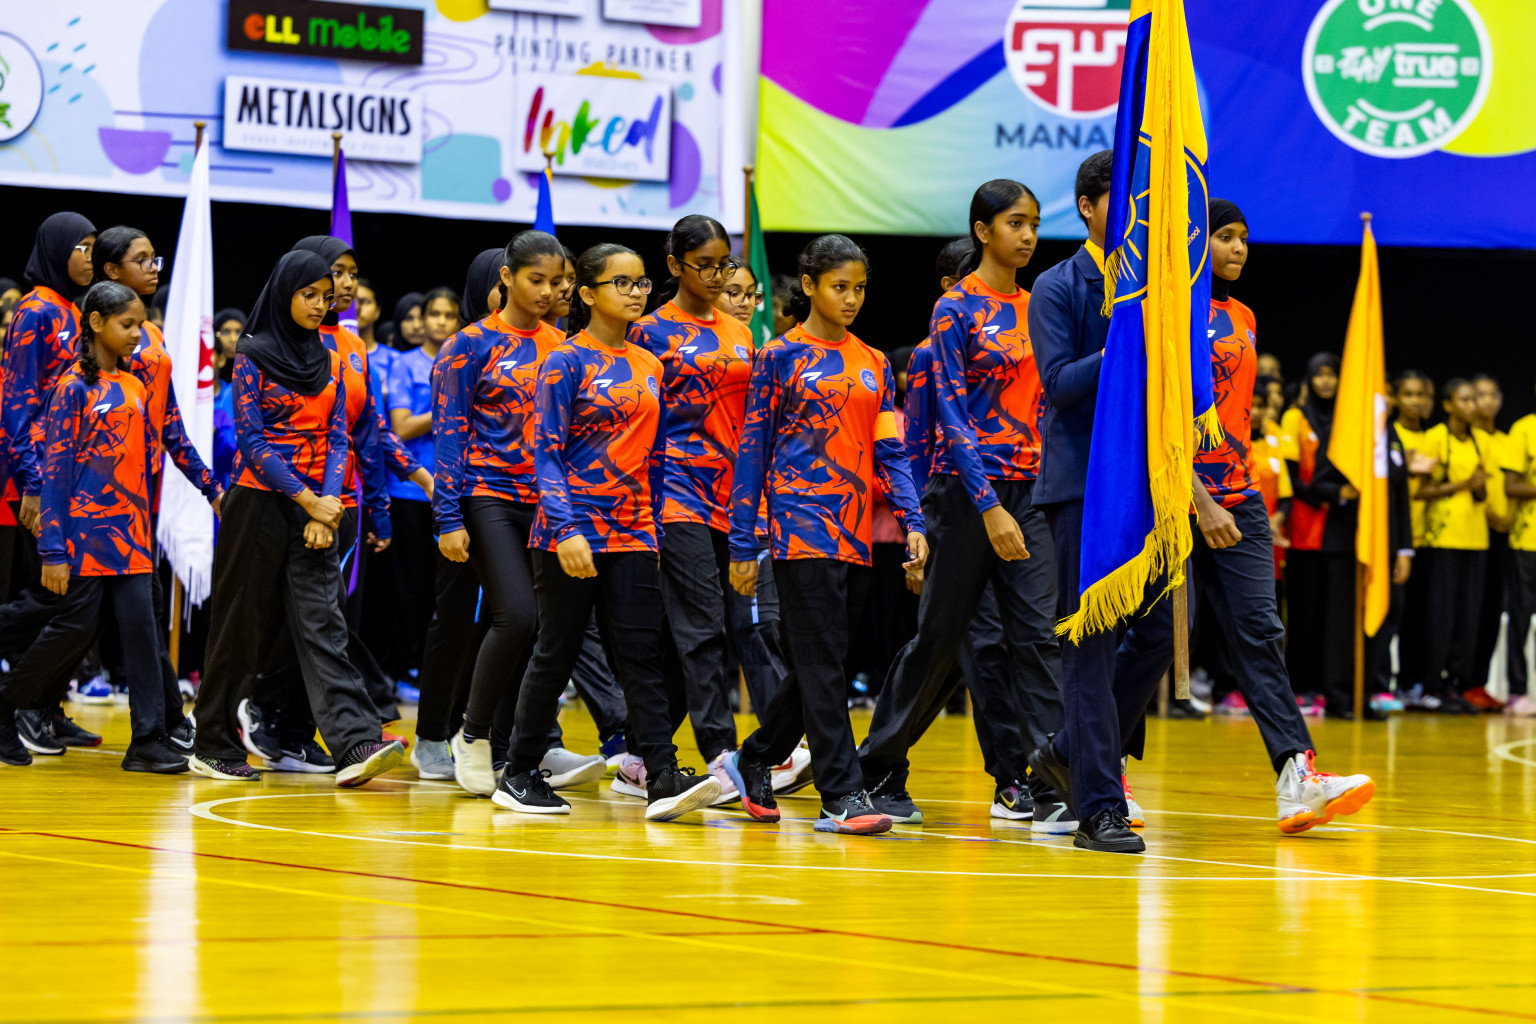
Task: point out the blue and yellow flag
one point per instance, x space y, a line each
1155 402
544 213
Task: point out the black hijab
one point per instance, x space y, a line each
408 301
484 272
49 263
224 316
294 357
1222 213
1319 411
329 248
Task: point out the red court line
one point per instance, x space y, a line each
1278 987
269 939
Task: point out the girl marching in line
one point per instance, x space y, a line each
820 427
277 534
95 540
599 443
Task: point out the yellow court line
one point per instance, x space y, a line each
713 945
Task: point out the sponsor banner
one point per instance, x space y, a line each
681 13
1315 111
114 89
568 8
316 28
598 127
299 117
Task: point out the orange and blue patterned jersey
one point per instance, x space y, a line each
40 345
708 366
410 388
95 476
820 429
921 429
364 478
288 441
988 389
599 445
1225 470
151 363
483 416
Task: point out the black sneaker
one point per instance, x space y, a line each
1451 703
1182 709
259 730
529 792
224 771
1013 802
154 755
32 727
12 751
67 732
754 783
182 738
851 815
890 798
1108 832
366 760
676 791
305 756
1052 769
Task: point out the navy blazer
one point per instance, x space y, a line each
1068 332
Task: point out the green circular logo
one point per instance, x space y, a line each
1397 78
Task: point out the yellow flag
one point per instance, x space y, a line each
1359 443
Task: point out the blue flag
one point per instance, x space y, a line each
341 213
1155 400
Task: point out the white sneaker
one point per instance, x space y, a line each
567 769
629 780
1308 797
727 784
472 765
794 774
432 759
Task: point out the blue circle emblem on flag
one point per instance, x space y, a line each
357 362
650 382
868 377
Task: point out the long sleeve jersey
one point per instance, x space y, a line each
288 441
708 365
96 475
1226 470
40 345
599 446
483 415
151 363
820 429
988 390
365 472
920 433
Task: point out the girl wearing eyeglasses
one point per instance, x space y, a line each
741 295
599 443
707 360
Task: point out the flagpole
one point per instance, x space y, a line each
747 174
173 641
1359 688
1181 642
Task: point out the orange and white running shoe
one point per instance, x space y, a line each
1133 815
1307 797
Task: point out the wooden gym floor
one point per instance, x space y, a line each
129 897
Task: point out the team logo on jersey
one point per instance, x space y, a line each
868 377
356 361
744 352
1066 54
650 382
1397 79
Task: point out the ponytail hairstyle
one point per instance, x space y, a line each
822 256
528 247
692 232
109 299
111 246
589 270
951 258
991 199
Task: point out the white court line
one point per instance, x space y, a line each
1504 750
205 810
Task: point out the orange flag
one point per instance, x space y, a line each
1359 443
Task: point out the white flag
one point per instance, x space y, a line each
186 520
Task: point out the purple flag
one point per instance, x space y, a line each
341 213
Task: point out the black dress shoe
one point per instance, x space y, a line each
1049 767
1108 832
